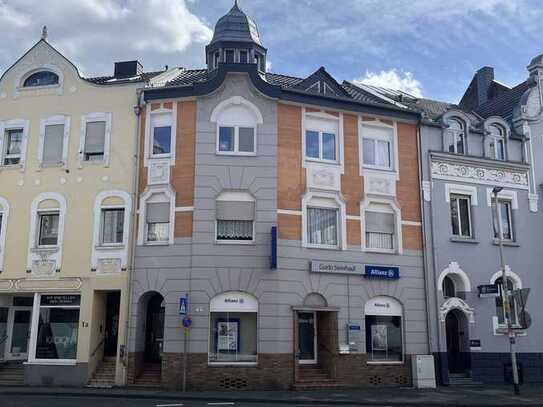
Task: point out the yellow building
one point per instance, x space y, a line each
67 171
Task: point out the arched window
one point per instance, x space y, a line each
497 142
449 289
456 140
384 338
499 301
41 78
233 335
237 125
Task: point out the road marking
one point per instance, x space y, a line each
169 405
221 404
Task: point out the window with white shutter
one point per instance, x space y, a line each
53 144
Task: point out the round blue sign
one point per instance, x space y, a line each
187 322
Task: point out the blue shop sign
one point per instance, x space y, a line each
382 272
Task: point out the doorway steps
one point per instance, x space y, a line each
151 377
12 374
462 380
104 375
313 377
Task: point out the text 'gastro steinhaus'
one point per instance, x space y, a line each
232 228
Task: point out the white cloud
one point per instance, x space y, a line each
393 79
95 33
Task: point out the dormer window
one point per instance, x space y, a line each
456 140
41 78
260 62
230 56
497 142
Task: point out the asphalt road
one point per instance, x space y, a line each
63 401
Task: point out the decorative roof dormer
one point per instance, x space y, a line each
236 41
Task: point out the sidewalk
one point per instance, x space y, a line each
457 396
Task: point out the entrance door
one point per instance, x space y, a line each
154 333
112 324
19 334
3 332
457 358
307 337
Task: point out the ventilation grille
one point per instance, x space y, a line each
401 380
376 380
233 383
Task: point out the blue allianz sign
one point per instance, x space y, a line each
382 272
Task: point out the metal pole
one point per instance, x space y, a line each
505 297
185 358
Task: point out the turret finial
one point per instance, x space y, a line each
236 3
44 33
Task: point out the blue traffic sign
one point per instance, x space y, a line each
183 305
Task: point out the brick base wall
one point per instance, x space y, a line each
488 367
354 371
135 364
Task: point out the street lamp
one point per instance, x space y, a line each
505 294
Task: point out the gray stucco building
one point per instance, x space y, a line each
283 216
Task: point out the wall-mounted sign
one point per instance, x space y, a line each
382 272
354 332
336 267
488 290
475 344
234 302
183 305
60 300
273 256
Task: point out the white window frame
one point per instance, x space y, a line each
13 125
329 119
325 201
452 134
470 234
236 197
19 81
251 118
169 192
113 250
90 118
34 331
52 121
148 148
33 250
4 212
471 192
366 205
393 142
45 212
505 131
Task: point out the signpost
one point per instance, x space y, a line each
183 303
187 322
488 290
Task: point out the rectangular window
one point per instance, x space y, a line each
456 142
377 147
161 134
322 226
158 222
233 337
243 57
384 338
53 144
48 229
13 139
234 230
461 215
112 226
505 213
230 55
321 145
95 139
58 327
236 140
379 230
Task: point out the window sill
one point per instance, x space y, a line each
508 243
109 246
235 242
384 362
11 167
381 169
30 88
51 165
160 157
157 243
464 240
321 247
380 251
233 153
232 364
318 161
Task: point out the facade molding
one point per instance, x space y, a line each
453 269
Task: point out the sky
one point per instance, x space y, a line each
429 48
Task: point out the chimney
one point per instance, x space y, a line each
127 69
478 91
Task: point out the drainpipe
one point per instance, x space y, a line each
424 245
134 239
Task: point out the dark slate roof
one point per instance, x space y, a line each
188 77
504 104
236 26
283 80
111 80
363 95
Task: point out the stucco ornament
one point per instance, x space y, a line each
459 304
478 174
